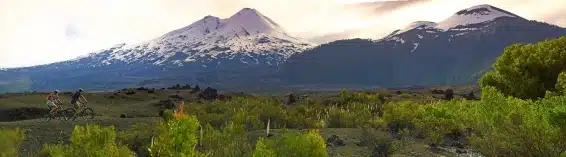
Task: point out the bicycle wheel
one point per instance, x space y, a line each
70 114
87 114
62 115
46 118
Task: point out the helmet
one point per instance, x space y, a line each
80 89
56 91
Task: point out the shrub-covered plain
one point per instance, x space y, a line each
522 112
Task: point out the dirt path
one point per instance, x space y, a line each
39 133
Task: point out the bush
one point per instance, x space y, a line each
230 141
261 150
130 92
291 99
513 127
449 94
379 142
176 137
11 140
528 71
400 115
137 138
297 144
496 126
90 140
561 83
405 95
176 96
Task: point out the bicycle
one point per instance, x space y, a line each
85 113
59 113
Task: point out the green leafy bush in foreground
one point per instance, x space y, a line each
10 140
261 150
295 144
137 138
176 138
498 125
528 71
91 141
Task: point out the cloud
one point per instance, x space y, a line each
383 7
38 31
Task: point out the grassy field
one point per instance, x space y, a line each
140 107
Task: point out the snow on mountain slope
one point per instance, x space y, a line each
416 24
474 15
461 23
246 33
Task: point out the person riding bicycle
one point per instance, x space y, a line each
52 99
76 99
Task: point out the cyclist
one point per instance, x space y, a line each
78 99
52 99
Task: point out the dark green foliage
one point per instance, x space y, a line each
496 125
291 99
379 142
528 71
137 138
187 86
561 83
230 141
449 94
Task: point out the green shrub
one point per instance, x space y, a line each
512 127
405 95
137 137
10 142
501 125
90 140
561 83
400 115
528 71
379 142
439 119
352 116
261 150
296 144
230 141
176 137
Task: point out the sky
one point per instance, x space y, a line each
34 32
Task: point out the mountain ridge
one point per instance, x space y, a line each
236 56
420 54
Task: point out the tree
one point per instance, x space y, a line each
527 71
187 86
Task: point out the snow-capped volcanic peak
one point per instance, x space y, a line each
473 15
246 22
252 21
245 33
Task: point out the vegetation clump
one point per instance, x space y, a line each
527 71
